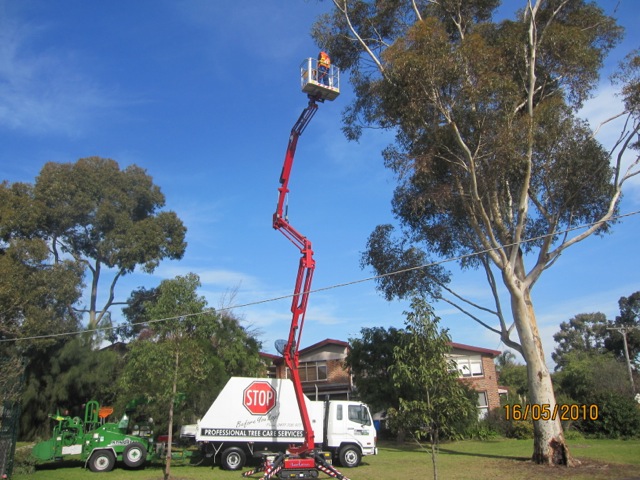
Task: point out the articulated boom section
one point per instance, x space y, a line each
304 277
306 461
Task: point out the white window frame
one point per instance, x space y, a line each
470 366
315 367
483 404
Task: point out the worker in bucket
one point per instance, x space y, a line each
324 64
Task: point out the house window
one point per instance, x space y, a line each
469 366
312 371
483 405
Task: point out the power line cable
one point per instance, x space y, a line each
316 290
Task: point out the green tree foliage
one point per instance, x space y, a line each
64 375
629 319
101 217
489 152
628 76
586 332
511 374
237 347
585 374
592 370
185 354
592 333
177 354
369 359
618 416
77 218
590 378
433 402
36 295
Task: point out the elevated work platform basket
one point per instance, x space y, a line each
325 86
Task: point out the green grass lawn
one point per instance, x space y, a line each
492 459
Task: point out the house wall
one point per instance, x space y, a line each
487 383
338 383
336 373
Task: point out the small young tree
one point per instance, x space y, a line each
186 350
178 352
437 401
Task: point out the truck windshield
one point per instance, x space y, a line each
359 414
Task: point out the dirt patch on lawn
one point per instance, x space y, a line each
587 470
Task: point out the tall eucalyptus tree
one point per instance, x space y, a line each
493 165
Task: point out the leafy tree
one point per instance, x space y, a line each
64 375
512 374
586 332
591 377
369 359
494 168
186 352
505 359
585 374
433 400
35 291
176 352
629 319
35 295
102 218
618 416
237 347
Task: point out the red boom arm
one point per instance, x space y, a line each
303 280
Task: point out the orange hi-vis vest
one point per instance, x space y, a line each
324 60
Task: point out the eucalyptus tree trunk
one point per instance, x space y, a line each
549 445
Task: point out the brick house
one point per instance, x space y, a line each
478 370
322 370
323 373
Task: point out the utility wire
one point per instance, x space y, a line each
321 289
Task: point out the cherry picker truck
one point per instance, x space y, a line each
302 461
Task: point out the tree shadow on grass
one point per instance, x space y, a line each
484 455
412 447
59 464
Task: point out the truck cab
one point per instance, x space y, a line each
349 431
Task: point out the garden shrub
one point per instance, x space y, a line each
498 422
520 429
619 416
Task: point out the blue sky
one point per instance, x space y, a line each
203 95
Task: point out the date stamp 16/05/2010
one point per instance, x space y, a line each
544 411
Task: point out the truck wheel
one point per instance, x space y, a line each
233 458
102 461
134 455
350 456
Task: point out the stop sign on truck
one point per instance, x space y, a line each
259 398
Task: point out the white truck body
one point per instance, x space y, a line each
255 415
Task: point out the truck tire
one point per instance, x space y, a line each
102 461
233 458
350 456
134 455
